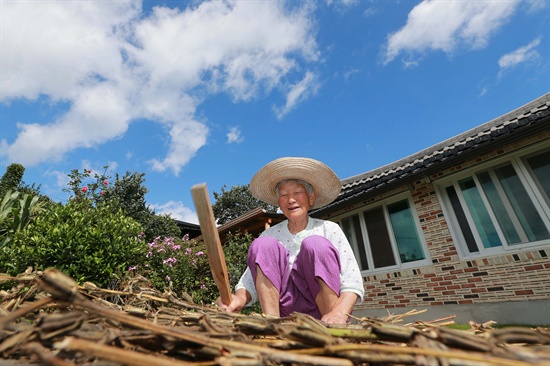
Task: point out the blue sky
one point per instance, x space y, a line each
208 92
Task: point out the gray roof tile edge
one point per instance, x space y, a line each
355 187
525 111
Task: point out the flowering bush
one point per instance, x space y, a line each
126 193
81 186
180 264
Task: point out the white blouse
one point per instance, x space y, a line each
350 275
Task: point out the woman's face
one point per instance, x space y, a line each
294 200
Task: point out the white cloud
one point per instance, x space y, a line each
186 137
484 90
370 12
298 93
61 178
234 135
57 48
349 73
98 114
446 25
177 210
109 67
536 5
521 55
342 5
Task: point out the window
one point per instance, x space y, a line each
385 236
502 207
539 166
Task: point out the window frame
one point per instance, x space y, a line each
518 160
393 242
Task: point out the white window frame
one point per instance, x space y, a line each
518 161
384 204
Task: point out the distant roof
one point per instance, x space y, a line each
527 120
193 230
254 222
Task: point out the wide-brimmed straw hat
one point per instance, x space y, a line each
326 184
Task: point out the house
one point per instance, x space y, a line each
189 229
462 227
254 222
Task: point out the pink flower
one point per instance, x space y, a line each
101 192
200 253
105 182
170 261
89 171
84 189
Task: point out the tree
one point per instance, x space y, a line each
128 194
235 202
11 179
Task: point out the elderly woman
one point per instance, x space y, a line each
303 264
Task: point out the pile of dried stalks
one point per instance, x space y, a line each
48 320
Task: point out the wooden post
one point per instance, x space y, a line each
212 240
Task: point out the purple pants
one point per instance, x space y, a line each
298 288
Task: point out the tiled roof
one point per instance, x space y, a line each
529 119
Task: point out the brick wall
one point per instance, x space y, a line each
522 275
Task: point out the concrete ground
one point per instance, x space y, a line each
534 312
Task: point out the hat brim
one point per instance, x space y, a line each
326 184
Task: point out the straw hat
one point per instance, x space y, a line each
326 184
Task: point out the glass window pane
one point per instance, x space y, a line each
379 239
352 230
499 209
462 221
521 202
540 165
404 229
482 220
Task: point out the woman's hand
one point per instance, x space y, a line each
335 317
238 301
339 312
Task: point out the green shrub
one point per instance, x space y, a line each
16 211
235 251
87 243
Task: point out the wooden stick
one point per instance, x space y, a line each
212 240
4 320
